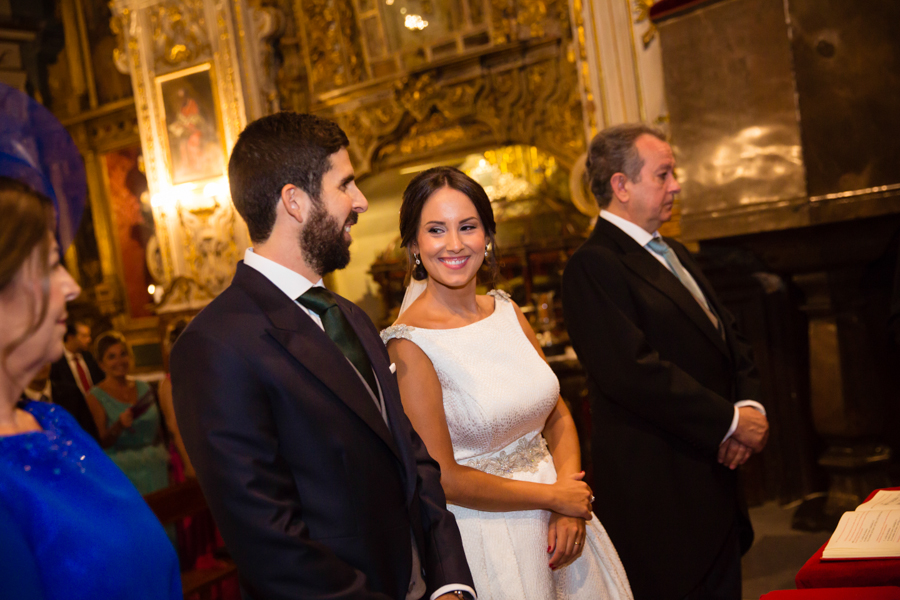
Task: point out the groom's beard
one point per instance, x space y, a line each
322 240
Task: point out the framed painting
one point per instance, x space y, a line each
193 124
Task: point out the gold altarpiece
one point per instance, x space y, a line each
411 82
198 75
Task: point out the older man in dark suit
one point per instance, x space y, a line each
288 404
673 389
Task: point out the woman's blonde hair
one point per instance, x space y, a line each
26 224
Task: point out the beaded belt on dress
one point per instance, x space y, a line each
527 456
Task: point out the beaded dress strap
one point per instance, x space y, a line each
396 331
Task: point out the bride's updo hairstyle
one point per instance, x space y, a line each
417 194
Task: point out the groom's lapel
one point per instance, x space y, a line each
299 335
390 393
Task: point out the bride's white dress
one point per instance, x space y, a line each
498 393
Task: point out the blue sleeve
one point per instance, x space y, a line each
18 571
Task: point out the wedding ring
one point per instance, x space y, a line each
592 498
576 543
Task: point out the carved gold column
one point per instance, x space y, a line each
621 76
620 64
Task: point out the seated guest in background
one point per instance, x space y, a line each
72 526
77 366
127 418
42 389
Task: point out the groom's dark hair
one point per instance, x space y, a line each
274 151
420 190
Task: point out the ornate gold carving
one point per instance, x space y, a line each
641 14
115 130
532 15
503 19
434 133
210 248
584 70
562 126
179 33
335 54
534 101
183 294
365 125
456 101
232 115
120 56
417 94
268 23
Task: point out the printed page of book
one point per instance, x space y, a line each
865 534
883 500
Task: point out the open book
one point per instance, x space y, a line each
870 531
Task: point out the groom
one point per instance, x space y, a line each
288 403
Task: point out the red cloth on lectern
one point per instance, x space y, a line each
844 593
817 573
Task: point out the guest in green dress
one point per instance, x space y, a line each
127 418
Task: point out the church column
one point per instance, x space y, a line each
621 74
620 63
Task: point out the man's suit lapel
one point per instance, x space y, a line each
639 261
311 347
390 394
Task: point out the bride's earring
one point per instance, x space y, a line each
419 273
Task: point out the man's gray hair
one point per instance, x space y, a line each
613 151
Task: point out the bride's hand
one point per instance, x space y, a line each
572 497
565 539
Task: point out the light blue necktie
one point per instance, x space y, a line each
660 247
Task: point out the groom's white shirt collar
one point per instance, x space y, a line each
292 283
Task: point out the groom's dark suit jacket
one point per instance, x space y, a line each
314 495
663 383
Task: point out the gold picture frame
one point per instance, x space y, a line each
191 124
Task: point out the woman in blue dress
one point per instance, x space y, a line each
127 418
71 524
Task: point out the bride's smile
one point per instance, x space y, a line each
455 263
451 239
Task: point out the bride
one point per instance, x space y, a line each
475 385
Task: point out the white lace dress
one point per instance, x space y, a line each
498 393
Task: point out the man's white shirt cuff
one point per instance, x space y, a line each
737 415
452 587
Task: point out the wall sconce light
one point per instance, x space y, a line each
192 196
